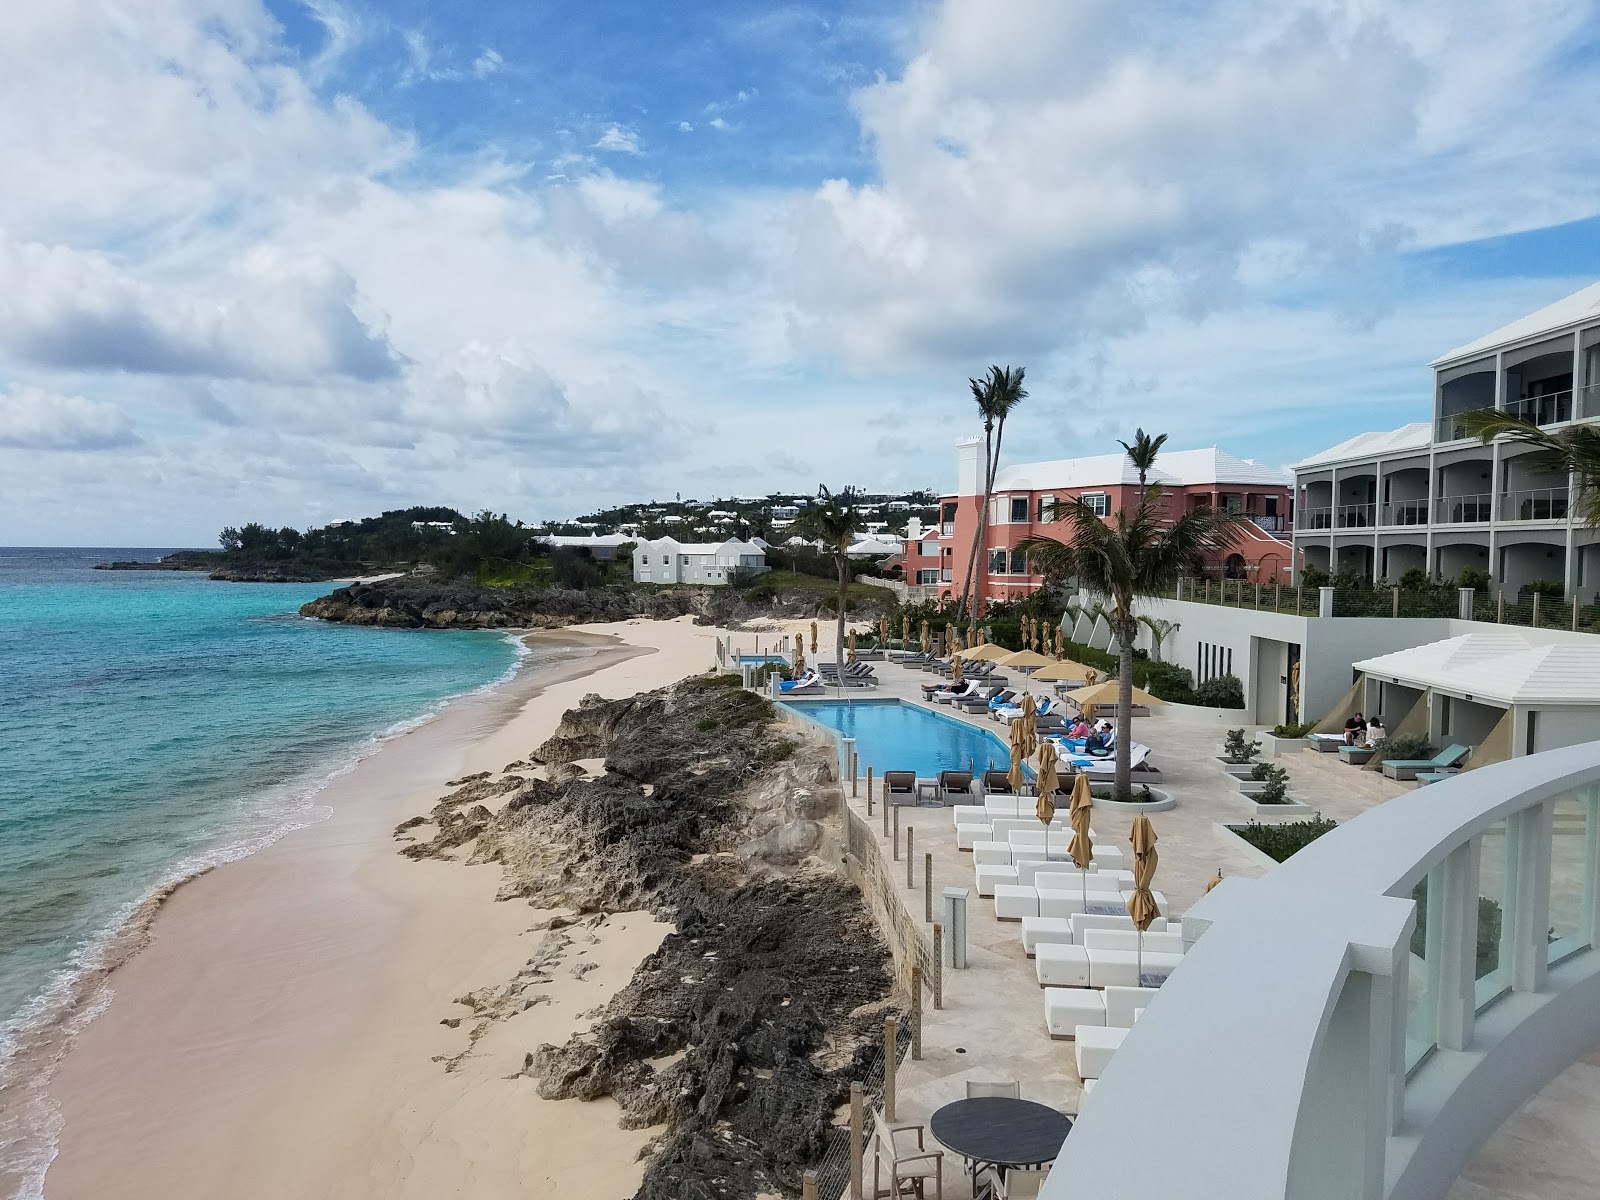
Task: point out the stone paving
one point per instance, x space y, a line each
992 1024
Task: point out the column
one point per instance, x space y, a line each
1528 896
1456 921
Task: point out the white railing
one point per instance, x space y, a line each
1315 1044
1535 504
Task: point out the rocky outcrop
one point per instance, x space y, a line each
743 1032
233 568
418 602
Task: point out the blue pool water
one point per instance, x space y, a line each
894 736
764 658
152 725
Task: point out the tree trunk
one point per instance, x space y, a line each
983 522
1126 632
844 594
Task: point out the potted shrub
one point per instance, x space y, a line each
1286 739
1238 753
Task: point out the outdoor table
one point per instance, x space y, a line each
999 1132
927 792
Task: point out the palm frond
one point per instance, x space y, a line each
1574 451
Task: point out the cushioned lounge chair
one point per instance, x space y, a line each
900 787
995 783
1450 756
955 787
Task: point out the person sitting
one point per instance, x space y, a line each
1080 730
1102 743
1355 730
1375 731
804 681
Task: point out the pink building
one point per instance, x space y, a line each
1023 493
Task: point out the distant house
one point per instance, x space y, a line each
671 520
601 545
442 526
667 560
785 512
899 506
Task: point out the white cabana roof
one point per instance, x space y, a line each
1500 665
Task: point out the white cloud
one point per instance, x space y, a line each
685 127
487 64
33 419
619 139
717 123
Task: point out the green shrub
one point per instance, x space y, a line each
762 675
1293 731
1238 747
759 593
1415 579
706 724
1280 840
1313 577
1489 917
1403 747
1220 691
1471 577
1550 589
1165 680
1276 779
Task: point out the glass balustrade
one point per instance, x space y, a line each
1535 504
1316 518
1496 870
1463 510
1356 516
1573 832
1542 410
1406 512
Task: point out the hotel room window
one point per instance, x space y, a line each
1019 563
1046 505
998 560
1019 510
1099 503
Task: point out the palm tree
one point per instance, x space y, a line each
835 520
1132 556
996 394
1143 451
1160 631
1575 451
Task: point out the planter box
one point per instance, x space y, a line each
1292 808
1276 747
1249 787
1238 770
1160 801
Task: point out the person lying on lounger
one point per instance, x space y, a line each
969 687
1102 743
804 681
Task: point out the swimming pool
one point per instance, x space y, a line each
764 658
894 736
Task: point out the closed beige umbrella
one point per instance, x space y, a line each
1061 644
813 637
799 656
1081 848
883 632
1046 808
927 642
1030 731
1141 901
1211 883
851 656
955 669
905 633
1015 776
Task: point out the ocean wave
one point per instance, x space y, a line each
35 1040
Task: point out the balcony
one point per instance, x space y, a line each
1406 512
1463 510
1589 401
1542 410
1316 518
947 529
1450 429
1269 524
1416 1002
1356 516
1535 504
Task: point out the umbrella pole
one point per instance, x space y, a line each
1139 961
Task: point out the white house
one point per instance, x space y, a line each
600 545
668 560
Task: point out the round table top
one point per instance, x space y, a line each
1000 1130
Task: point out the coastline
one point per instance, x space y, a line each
294 999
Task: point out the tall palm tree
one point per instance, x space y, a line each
1143 451
996 394
834 519
1574 451
1132 556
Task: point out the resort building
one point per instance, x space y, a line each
601 545
668 560
1426 496
1025 494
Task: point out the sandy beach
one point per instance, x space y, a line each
281 1034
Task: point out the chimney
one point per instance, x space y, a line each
969 467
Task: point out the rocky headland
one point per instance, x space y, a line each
742 1033
230 569
420 602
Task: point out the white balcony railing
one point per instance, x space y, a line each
1406 512
1464 510
1356 516
1550 409
1358 1021
1315 518
1534 504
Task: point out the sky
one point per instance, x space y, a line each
301 260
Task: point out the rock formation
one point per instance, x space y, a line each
743 1032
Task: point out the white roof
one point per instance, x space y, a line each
1575 309
871 547
1416 436
1173 468
674 546
1504 664
590 539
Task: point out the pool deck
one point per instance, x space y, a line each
992 1024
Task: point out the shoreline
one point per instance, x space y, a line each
250 980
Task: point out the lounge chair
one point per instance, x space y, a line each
995 783
808 684
979 703
1356 756
900 787
955 787
967 691
1003 699
1448 758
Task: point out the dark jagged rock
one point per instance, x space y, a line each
419 602
772 989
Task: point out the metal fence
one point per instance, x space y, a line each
833 1169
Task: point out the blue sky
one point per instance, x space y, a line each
293 261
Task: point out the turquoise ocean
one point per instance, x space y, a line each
153 725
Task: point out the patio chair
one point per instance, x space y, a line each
995 783
900 787
909 1166
1410 768
1017 1184
955 787
1003 699
1010 1089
